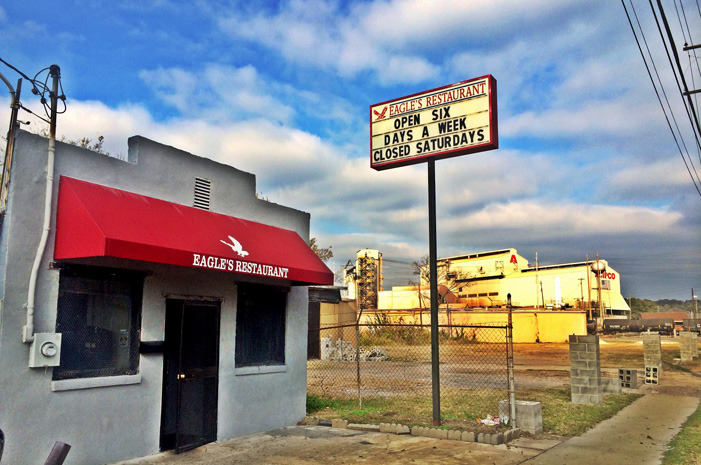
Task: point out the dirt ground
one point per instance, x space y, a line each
307 445
544 365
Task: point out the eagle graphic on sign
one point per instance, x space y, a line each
235 246
380 115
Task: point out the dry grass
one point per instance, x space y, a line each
399 391
460 409
685 448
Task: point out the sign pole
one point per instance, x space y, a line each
448 121
433 275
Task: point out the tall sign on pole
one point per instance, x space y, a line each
449 121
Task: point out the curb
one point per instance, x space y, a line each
434 433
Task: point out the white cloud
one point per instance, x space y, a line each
394 39
316 34
650 180
218 92
548 219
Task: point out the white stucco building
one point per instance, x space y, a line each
170 307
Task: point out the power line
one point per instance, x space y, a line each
659 99
42 89
691 111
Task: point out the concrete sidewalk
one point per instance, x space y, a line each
638 434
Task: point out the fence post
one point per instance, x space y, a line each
510 363
357 361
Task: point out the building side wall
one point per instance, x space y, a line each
543 326
491 265
113 423
335 315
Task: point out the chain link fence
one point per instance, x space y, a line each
390 363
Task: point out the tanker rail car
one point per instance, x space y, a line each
625 325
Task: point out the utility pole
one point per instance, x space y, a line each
7 163
537 301
696 305
598 282
588 288
630 305
581 291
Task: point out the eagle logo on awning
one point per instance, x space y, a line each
235 246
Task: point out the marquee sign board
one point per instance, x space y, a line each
452 120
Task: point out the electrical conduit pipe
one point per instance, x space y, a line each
28 329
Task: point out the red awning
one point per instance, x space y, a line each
99 221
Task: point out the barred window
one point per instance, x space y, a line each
99 316
260 326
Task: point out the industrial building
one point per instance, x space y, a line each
486 280
164 306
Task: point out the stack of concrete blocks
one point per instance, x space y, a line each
689 346
652 354
628 378
529 415
585 370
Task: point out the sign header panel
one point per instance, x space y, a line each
452 120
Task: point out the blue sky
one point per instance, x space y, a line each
586 163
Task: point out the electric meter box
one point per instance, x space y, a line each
45 350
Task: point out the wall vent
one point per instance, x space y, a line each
203 193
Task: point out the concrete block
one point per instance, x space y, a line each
338 423
487 439
386 428
312 421
455 435
497 439
468 436
579 364
480 437
441 433
577 347
508 436
402 429
652 374
364 427
416 431
529 415
516 433
591 390
628 378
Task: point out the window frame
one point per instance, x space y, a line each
134 280
253 329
